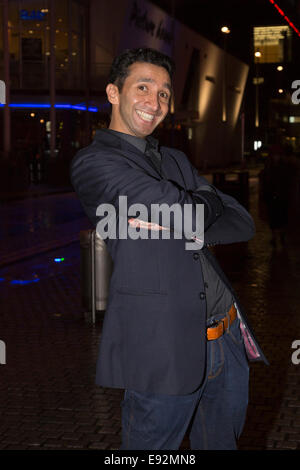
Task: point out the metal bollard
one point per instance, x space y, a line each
95 270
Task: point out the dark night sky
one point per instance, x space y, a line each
207 17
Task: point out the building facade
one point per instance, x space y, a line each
276 57
55 56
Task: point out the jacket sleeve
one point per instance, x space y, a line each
102 179
235 223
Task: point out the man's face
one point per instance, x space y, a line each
143 102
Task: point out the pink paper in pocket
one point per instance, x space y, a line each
250 347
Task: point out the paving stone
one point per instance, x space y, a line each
53 443
99 445
288 445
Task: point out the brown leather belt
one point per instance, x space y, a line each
215 332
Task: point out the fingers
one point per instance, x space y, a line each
147 225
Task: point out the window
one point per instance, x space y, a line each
273 42
294 119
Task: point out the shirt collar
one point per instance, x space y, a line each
138 142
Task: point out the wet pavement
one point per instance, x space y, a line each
48 400
33 225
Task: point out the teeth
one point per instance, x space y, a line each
145 116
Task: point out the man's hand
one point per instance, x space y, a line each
151 226
148 225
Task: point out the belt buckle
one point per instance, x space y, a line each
214 324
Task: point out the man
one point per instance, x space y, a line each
173 330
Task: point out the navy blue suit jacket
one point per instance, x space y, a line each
154 332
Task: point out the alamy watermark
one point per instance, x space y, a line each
2 352
296 354
2 92
296 93
133 222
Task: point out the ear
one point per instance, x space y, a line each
112 92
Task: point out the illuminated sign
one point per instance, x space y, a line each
32 15
272 43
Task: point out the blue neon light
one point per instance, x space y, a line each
28 105
59 260
80 108
63 106
92 109
22 282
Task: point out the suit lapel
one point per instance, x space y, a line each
170 168
133 154
127 150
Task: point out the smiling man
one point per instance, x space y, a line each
142 102
174 335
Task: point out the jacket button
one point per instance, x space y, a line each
202 295
196 256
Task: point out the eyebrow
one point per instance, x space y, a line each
150 80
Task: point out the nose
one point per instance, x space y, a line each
153 102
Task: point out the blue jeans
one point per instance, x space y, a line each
213 416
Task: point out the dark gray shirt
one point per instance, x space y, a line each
148 146
132 139
218 297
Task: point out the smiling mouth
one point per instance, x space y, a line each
145 116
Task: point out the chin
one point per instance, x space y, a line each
145 130
144 133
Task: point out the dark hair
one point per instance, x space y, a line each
120 66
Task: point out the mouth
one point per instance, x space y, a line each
145 116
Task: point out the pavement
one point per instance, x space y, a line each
48 349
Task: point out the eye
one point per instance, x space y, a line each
164 95
142 87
